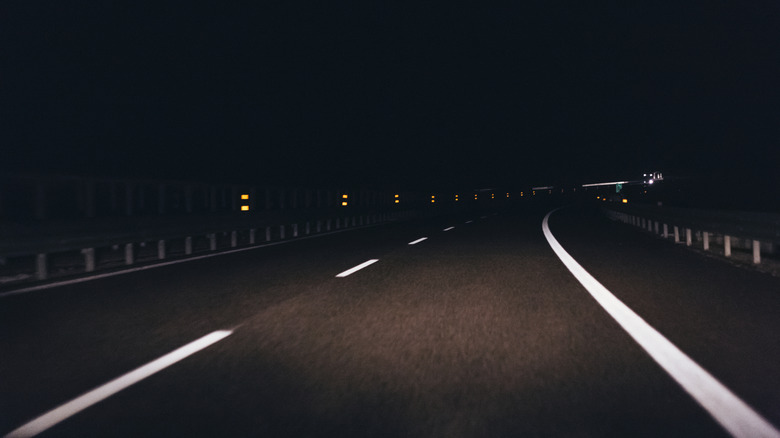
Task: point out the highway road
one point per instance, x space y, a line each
467 325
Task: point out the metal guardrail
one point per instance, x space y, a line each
77 253
758 233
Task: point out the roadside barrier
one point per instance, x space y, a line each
753 234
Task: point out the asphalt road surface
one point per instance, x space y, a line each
478 330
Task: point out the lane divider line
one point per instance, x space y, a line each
100 393
725 407
418 241
357 268
449 228
469 221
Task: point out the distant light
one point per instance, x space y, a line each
507 195
625 201
397 201
475 197
521 194
244 196
244 208
533 193
344 204
345 196
492 196
651 181
396 196
598 197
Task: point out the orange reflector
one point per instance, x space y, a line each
244 208
244 196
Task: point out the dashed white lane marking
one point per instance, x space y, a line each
469 221
483 217
357 268
726 408
449 228
415 242
100 393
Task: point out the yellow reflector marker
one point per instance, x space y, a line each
344 196
344 204
625 201
244 208
244 196
397 201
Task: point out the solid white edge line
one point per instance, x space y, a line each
725 407
448 228
357 268
171 262
417 241
100 393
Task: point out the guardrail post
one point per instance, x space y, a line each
188 245
655 226
161 249
308 228
267 234
128 253
41 267
252 236
89 259
706 238
676 234
338 223
327 225
319 224
233 239
212 241
727 246
666 231
354 221
688 240
295 230
756 252
281 232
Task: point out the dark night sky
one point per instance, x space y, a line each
426 94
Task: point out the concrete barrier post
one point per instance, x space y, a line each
655 227
308 228
161 249
706 240
688 240
666 231
41 267
212 241
233 239
319 225
295 230
756 252
188 245
338 223
327 225
89 259
267 234
676 234
727 246
252 236
129 256
281 232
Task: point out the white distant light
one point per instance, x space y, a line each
651 181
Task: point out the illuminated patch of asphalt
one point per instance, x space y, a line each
725 407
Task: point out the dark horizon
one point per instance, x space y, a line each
433 96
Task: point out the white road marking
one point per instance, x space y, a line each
100 393
447 229
357 268
469 221
418 241
483 217
725 407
